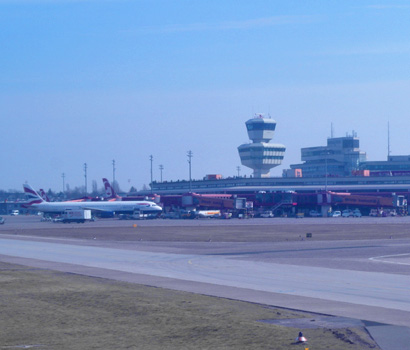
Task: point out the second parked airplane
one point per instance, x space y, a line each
119 207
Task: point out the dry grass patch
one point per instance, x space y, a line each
57 310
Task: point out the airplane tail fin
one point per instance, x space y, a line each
109 190
43 195
33 196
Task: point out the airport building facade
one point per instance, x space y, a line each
393 164
340 157
338 166
237 185
330 176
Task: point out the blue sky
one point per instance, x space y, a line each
92 81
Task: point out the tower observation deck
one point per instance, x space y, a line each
260 155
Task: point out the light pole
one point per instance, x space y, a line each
190 155
161 167
238 168
326 156
63 176
113 174
85 176
151 158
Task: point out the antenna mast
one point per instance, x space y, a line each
388 140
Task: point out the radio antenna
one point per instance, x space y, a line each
388 140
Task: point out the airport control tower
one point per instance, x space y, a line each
260 155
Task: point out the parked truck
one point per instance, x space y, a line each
79 216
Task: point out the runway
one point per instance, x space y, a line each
276 274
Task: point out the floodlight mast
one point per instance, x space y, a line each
151 158
63 176
190 155
113 173
85 177
161 167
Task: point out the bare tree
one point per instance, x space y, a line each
94 188
116 186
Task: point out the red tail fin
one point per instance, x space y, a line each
33 196
44 195
109 190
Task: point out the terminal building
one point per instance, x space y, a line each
339 166
340 157
335 167
332 177
261 155
395 164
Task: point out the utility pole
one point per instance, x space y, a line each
85 176
151 158
63 176
161 167
113 174
327 154
190 155
388 140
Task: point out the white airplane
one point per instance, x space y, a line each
119 207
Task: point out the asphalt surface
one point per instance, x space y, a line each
362 279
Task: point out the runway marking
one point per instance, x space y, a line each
379 259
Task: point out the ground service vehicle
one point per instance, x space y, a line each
208 213
347 213
357 213
79 216
375 212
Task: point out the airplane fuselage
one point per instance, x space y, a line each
117 207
